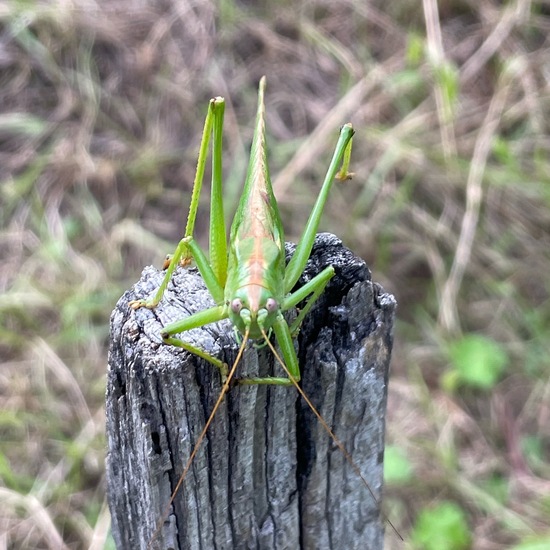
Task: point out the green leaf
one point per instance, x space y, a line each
446 75
397 467
479 361
415 49
11 479
533 450
498 487
503 152
443 526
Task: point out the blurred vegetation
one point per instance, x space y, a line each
101 109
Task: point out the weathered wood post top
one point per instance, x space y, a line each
268 476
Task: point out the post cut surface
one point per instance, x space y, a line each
268 476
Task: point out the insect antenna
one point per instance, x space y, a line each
327 428
200 439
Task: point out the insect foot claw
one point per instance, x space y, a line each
224 371
136 304
345 176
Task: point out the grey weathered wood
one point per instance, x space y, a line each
268 476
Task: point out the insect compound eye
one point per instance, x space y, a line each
236 305
271 305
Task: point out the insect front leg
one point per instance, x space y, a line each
199 319
289 357
181 251
187 248
285 334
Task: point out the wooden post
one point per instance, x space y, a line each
268 475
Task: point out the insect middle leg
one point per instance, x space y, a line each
285 333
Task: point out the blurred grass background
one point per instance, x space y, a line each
101 109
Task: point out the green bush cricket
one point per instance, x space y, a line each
249 281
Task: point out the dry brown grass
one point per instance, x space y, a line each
102 105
